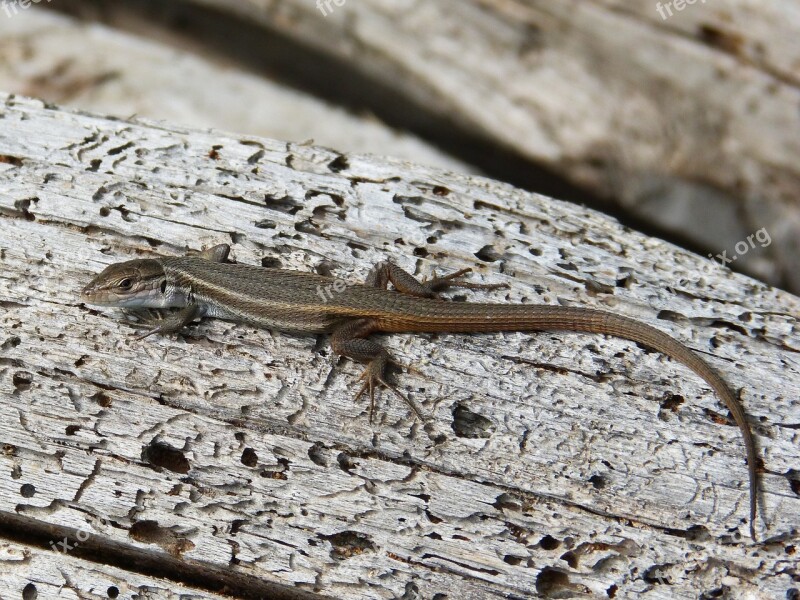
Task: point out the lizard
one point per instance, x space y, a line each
208 285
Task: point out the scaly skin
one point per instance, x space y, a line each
207 286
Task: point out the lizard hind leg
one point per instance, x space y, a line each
348 340
384 273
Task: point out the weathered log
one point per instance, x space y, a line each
559 463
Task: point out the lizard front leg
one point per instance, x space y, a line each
173 322
349 340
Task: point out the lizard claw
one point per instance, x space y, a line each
372 377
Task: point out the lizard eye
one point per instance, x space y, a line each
125 284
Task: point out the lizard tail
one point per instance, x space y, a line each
454 317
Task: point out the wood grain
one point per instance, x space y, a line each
562 464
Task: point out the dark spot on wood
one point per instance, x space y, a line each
433 518
625 282
11 342
249 457
727 41
467 424
339 164
10 160
102 399
571 559
349 543
120 149
357 245
535 251
507 502
236 525
403 200
23 208
307 226
346 463
597 481
162 455
657 574
265 224
145 531
672 402
104 211
671 315
94 165
254 158
550 582
440 190
72 429
548 542
611 592
421 252
27 490
594 287
150 532
722 324
317 456
29 592
532 39
284 204
271 262
513 560
488 254
22 381
112 591
213 154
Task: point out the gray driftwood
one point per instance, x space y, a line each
27 570
557 463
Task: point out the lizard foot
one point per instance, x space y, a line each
452 280
373 376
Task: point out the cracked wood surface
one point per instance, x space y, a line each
33 570
555 463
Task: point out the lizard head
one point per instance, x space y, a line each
131 284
